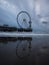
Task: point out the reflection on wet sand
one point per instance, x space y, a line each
9 39
24 50
22 45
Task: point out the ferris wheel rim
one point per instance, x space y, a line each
19 15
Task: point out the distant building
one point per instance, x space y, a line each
5 27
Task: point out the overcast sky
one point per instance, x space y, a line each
10 8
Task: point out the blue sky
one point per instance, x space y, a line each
10 8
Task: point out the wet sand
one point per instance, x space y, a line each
32 50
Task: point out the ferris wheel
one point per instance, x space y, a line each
24 20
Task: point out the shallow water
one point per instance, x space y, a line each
20 51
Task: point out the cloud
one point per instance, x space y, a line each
8 6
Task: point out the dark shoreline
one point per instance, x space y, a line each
12 29
6 39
